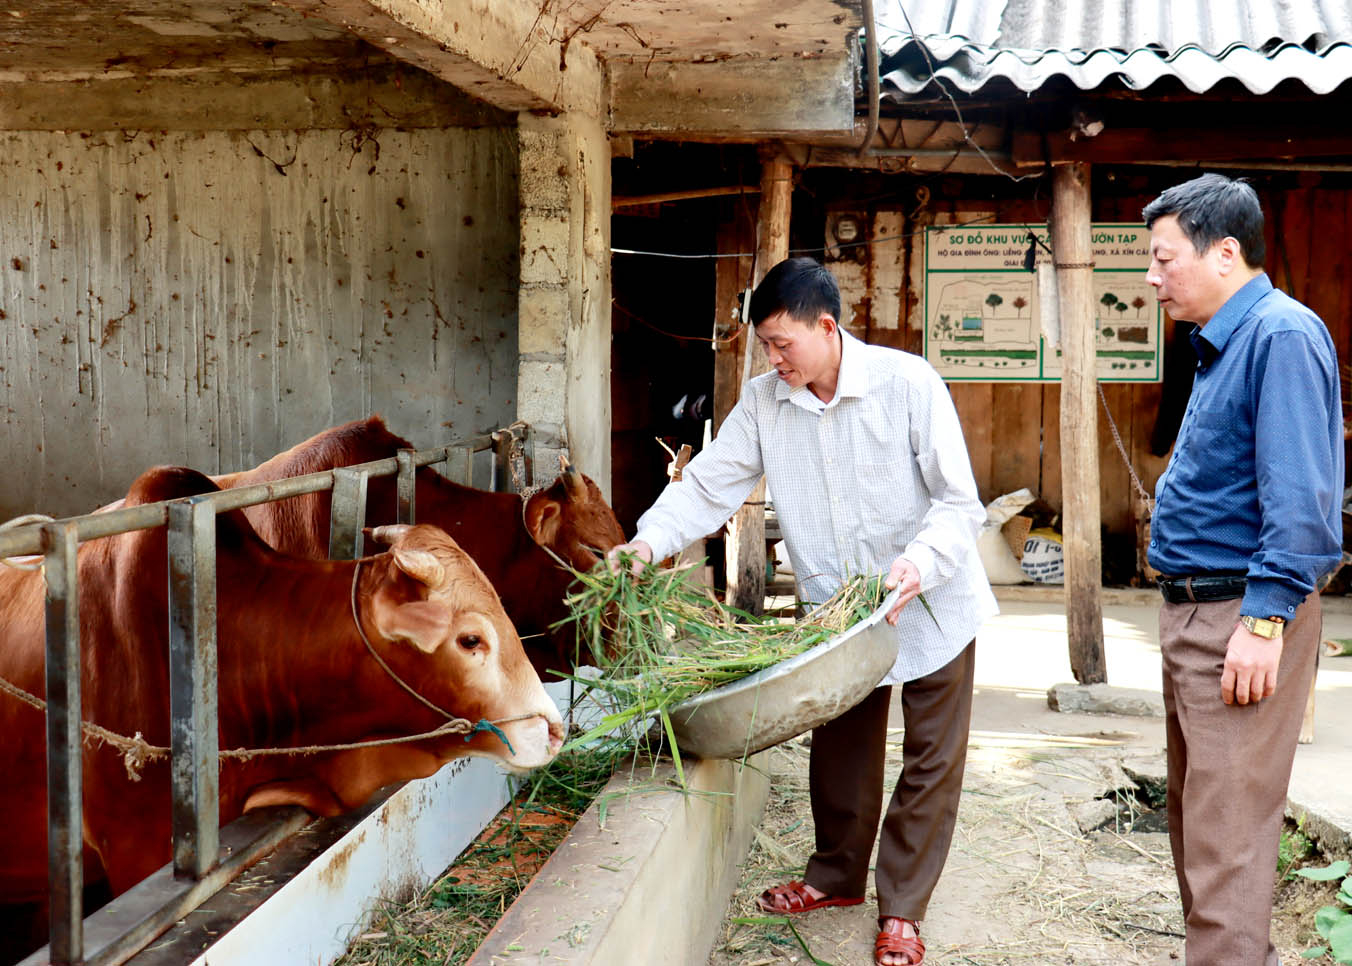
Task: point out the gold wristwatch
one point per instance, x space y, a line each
1269 627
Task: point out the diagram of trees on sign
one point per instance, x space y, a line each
984 313
981 322
1122 328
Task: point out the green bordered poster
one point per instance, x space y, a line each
983 315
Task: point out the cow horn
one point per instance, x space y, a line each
390 533
573 482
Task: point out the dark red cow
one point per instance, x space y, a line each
293 671
506 537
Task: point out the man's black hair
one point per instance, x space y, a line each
802 287
1213 207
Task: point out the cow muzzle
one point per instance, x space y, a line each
533 741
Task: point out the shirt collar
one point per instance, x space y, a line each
852 380
1210 340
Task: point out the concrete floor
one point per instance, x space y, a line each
1022 651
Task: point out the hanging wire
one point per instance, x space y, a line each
984 219
717 340
962 124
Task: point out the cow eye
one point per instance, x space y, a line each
469 641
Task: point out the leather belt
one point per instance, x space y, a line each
1201 588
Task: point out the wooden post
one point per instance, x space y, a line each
731 277
745 545
1079 423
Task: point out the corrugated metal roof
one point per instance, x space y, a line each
1135 43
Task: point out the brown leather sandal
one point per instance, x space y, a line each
796 900
894 943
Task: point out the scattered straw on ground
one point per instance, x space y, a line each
1023 884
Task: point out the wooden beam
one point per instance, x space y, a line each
1143 145
1079 423
752 100
633 201
505 52
745 546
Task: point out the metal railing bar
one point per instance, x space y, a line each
460 467
406 487
347 512
28 539
65 823
526 457
438 454
193 735
121 929
502 452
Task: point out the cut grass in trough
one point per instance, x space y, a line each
660 640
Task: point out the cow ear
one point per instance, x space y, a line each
421 565
423 623
387 535
543 517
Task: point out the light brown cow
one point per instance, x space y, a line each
293 671
510 539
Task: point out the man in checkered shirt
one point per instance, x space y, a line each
863 453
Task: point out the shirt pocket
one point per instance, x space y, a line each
1215 445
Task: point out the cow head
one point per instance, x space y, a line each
445 634
573 519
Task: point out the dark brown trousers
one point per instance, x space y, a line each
1229 767
845 776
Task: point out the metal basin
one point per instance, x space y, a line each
791 697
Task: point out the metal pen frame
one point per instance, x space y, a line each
205 856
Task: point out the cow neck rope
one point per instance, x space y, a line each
137 752
453 723
356 619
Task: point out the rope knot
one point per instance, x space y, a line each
485 725
136 752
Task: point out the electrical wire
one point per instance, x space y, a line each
718 340
962 125
985 219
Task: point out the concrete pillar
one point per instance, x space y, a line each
563 382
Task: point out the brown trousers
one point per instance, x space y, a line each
1229 767
845 776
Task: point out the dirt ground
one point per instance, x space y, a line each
1030 879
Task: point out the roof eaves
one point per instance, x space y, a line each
967 66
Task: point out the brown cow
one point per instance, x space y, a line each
425 607
571 518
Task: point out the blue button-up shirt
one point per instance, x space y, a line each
1256 480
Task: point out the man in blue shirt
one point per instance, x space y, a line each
1247 520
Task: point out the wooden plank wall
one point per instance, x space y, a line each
1309 258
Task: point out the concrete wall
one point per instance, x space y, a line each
212 297
564 383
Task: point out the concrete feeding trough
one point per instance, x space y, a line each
654 846
791 697
645 875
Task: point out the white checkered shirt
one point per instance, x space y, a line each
879 471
